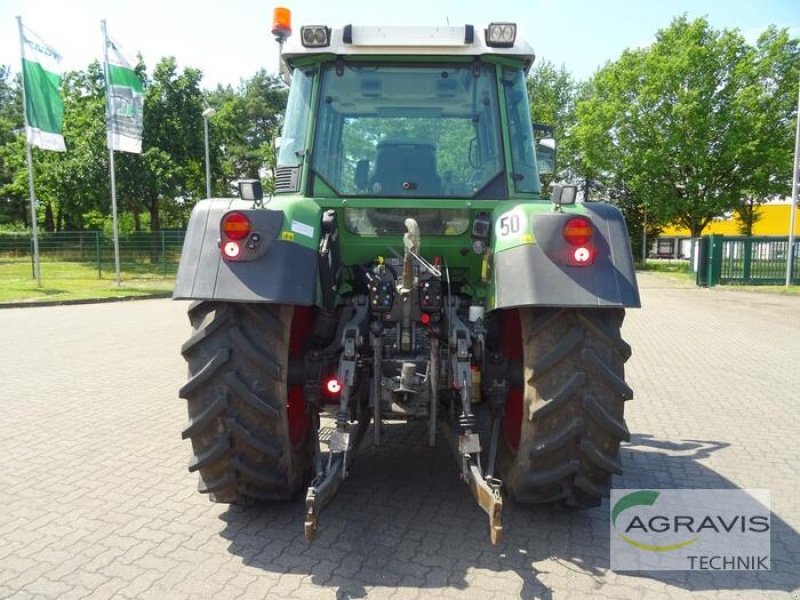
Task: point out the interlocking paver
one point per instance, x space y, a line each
97 501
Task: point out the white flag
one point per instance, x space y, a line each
44 106
125 103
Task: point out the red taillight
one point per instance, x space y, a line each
578 231
236 226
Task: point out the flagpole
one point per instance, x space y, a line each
111 154
37 273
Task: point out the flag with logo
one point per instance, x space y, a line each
44 106
125 102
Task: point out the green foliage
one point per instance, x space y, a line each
243 131
68 184
692 124
94 220
662 265
157 188
552 93
13 185
747 215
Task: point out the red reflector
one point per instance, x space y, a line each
578 231
332 386
236 226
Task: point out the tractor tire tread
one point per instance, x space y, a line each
572 410
237 400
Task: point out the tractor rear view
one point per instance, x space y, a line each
407 268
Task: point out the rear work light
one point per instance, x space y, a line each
236 226
501 35
578 231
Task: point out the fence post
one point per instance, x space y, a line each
700 256
710 260
715 263
747 259
163 254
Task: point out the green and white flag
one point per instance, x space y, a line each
125 102
44 106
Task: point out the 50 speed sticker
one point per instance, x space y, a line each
512 224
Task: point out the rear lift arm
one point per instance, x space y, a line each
485 488
341 446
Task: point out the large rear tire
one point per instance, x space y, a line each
249 429
563 427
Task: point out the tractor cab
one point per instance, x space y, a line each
408 112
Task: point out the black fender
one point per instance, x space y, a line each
279 271
540 274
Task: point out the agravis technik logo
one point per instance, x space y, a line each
644 498
690 529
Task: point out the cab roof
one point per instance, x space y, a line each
355 40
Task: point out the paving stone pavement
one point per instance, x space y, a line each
96 501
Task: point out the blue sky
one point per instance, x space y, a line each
230 39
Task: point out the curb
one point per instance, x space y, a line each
34 304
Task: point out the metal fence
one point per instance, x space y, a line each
746 261
90 254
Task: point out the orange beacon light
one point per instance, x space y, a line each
281 22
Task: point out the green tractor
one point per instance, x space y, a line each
407 268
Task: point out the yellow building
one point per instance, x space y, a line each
674 241
773 220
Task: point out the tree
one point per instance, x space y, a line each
13 182
552 93
242 133
766 104
673 123
72 183
169 175
748 214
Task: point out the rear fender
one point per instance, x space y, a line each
533 264
280 267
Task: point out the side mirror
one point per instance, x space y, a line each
250 189
563 194
362 173
546 155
